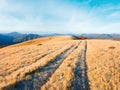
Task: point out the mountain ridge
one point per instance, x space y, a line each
16 37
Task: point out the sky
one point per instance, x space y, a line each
60 16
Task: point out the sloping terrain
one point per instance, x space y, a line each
103 60
60 63
47 40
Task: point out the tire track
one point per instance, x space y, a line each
42 55
81 81
41 76
21 74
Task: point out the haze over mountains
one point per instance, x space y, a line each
16 37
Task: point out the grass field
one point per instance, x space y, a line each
61 63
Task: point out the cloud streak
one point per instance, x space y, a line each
58 16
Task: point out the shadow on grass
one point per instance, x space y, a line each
81 81
42 75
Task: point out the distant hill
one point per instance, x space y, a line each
102 36
15 37
46 40
15 34
26 38
5 40
80 37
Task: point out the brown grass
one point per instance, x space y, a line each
16 62
103 59
111 47
62 78
28 77
46 40
103 64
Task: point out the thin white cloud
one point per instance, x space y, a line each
57 17
115 14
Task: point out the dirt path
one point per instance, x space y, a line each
81 81
41 76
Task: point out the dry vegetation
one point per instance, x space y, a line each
61 63
46 40
103 59
63 76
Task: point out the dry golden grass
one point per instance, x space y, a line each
111 47
46 40
62 78
102 59
16 62
28 77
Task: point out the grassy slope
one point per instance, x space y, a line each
47 40
17 60
103 64
103 58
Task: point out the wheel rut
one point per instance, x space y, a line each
81 82
41 75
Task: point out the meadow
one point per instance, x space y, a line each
61 63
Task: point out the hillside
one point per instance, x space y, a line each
102 36
60 63
15 37
49 39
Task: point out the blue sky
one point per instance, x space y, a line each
60 16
